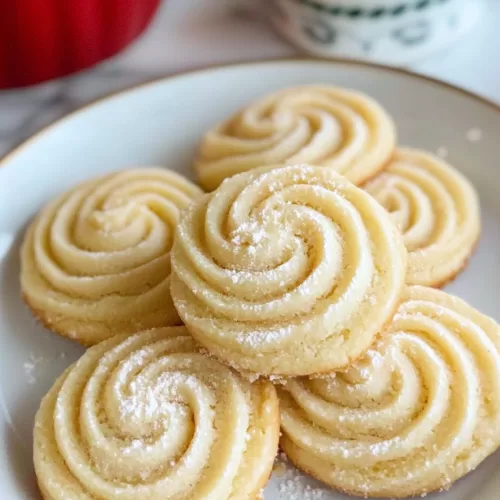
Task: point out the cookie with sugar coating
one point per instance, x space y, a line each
337 128
436 208
418 412
96 261
287 270
148 416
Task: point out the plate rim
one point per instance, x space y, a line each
25 143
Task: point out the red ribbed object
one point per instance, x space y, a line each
45 39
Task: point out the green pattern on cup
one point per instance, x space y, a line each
358 12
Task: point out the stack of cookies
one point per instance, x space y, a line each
299 293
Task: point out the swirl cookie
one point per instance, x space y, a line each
287 270
419 411
147 416
437 210
96 261
333 127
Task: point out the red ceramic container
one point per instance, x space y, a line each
45 39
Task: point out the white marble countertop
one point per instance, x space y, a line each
187 34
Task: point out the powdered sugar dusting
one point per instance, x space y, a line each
262 337
156 399
30 367
442 152
35 363
250 232
474 134
293 485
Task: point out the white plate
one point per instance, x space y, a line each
161 123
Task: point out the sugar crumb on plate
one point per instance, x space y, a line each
442 152
474 134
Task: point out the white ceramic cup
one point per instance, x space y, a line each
390 31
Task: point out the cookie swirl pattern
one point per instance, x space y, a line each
333 127
287 270
419 411
437 210
147 416
96 261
